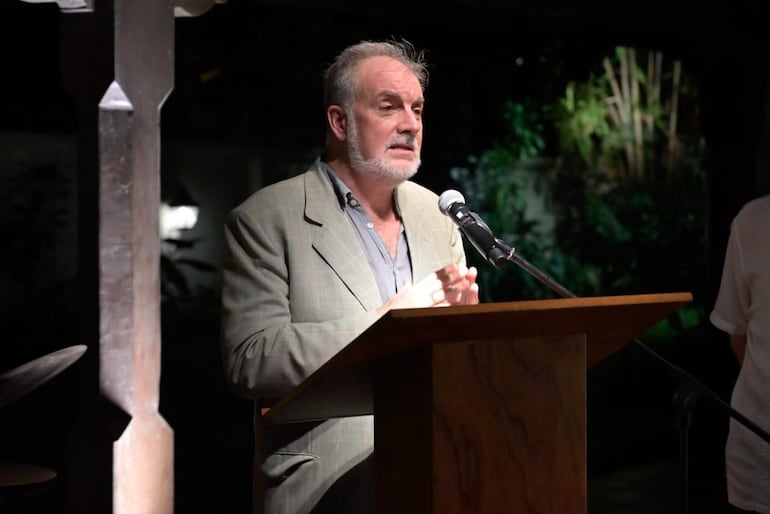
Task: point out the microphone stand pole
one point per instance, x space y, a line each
533 270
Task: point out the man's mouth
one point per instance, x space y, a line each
402 146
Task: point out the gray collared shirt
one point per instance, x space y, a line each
391 275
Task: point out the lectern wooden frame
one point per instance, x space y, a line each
477 409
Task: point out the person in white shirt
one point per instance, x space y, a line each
742 310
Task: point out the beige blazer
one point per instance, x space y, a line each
297 287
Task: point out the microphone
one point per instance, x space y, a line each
495 251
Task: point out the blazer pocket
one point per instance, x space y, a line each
282 466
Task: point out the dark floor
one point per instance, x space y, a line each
654 488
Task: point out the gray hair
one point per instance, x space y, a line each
340 77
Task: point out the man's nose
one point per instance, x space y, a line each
409 122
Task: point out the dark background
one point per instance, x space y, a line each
246 110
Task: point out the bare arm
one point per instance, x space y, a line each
738 343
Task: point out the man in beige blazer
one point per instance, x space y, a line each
316 259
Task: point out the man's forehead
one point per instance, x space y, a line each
382 65
385 75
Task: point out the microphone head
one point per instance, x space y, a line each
447 198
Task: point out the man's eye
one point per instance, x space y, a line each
387 107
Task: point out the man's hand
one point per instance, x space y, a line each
458 285
450 285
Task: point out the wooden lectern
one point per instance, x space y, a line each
477 409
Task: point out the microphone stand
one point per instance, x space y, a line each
512 256
685 400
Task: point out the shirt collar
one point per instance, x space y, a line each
341 190
345 195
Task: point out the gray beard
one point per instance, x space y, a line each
377 166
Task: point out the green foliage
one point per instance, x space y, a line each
645 237
525 137
581 116
495 186
630 121
625 198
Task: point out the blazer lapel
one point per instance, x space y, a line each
336 241
420 248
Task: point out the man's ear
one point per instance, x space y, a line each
338 122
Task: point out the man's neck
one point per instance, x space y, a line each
375 194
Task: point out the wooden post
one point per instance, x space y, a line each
129 252
119 55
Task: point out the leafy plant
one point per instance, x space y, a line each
630 122
497 184
615 220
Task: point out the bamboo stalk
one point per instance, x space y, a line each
617 108
649 90
651 94
637 135
624 88
672 120
658 91
613 111
615 87
658 75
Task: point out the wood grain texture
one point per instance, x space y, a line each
509 426
341 386
483 427
477 409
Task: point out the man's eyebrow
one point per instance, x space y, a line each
386 93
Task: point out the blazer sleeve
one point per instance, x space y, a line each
265 351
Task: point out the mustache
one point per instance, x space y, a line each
409 140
